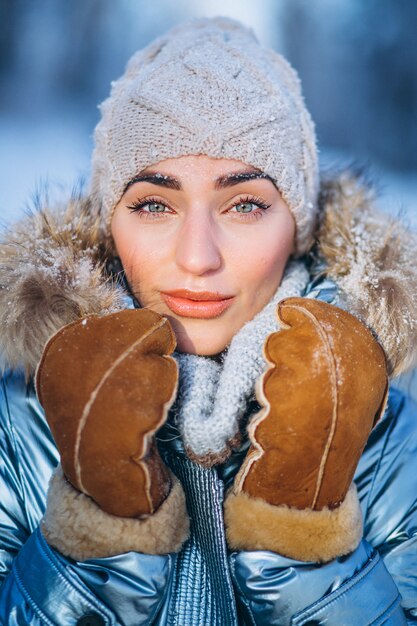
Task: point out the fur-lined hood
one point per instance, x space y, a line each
54 269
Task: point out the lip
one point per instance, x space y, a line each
197 304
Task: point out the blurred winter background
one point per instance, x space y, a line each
357 60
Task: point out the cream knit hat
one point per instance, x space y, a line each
208 87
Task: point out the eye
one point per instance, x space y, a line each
154 207
148 207
245 207
249 206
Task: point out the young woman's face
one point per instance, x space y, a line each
204 242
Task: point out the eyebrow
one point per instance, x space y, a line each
222 182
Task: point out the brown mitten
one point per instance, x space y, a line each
106 384
323 392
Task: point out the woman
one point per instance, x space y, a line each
209 362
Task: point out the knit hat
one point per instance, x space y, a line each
208 87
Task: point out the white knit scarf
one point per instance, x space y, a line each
213 395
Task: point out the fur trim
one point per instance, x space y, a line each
305 535
51 273
372 257
76 526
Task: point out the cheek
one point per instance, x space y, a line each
138 256
266 257
143 271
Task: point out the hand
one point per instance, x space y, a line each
323 392
106 384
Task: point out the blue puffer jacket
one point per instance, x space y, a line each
205 583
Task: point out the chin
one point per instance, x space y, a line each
200 348
199 337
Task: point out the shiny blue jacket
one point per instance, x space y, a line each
205 584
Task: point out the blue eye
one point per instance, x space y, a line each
148 207
155 207
245 207
152 207
252 206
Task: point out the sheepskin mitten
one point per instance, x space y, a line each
106 384
324 390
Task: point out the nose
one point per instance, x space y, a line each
197 250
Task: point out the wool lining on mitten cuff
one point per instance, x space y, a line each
302 534
77 527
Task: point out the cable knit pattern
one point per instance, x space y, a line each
208 87
213 395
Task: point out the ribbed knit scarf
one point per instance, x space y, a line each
213 395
